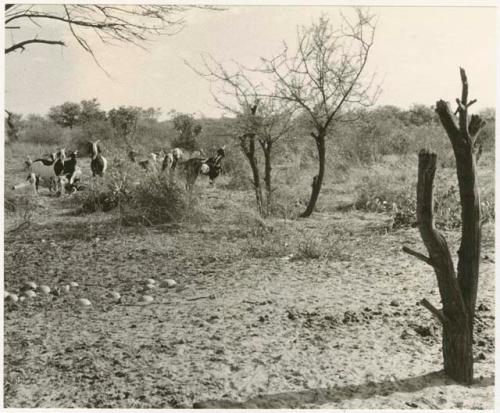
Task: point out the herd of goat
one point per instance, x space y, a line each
61 173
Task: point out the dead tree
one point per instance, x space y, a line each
458 290
247 145
261 120
324 77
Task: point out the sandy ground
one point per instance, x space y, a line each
250 324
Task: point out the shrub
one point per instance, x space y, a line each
22 208
157 200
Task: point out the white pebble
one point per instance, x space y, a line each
30 293
30 285
45 289
84 302
12 297
73 284
66 288
150 281
114 295
169 283
146 299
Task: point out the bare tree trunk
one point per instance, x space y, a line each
249 152
266 149
318 179
457 327
458 292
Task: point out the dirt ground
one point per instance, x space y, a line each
251 323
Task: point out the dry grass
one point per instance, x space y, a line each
315 313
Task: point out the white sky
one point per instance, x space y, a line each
417 53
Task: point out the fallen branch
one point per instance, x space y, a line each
211 296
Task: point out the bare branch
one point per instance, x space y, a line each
21 45
418 255
435 312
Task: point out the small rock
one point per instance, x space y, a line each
73 284
114 295
44 289
150 281
29 294
147 299
29 285
84 302
481 356
22 298
395 303
65 288
12 297
481 343
169 283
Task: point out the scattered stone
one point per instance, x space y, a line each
481 343
73 284
44 289
29 285
395 303
481 356
65 288
12 297
114 295
29 294
147 299
169 283
150 281
84 302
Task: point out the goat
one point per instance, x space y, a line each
98 164
44 169
203 166
172 159
71 172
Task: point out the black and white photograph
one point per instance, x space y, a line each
249 205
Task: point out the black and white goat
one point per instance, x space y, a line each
47 170
99 163
204 166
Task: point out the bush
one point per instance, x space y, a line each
22 208
156 200
396 195
41 131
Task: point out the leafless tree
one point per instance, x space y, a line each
458 289
112 24
325 76
261 120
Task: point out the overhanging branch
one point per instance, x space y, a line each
21 45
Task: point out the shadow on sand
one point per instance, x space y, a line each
318 397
